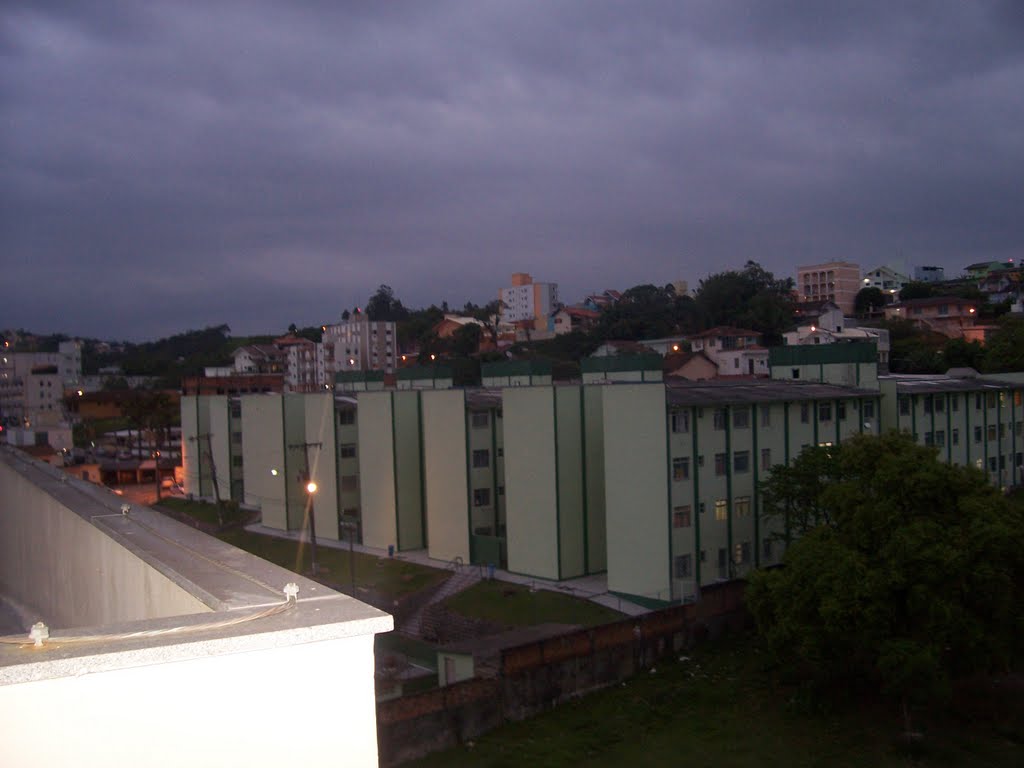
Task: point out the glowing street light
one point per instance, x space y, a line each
311 487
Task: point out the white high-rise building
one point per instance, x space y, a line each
360 344
527 301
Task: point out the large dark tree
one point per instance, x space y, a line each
1004 350
383 305
752 298
868 301
909 576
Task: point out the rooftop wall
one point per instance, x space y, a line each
163 608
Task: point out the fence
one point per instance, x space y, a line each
539 675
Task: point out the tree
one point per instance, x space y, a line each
751 298
868 301
466 340
1004 350
384 306
914 290
911 578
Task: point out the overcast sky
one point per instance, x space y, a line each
172 165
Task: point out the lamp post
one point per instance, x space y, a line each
156 472
310 487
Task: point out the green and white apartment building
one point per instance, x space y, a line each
657 484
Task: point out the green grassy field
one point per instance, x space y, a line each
720 708
515 606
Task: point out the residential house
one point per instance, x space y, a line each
948 315
736 351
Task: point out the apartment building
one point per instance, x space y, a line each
527 302
835 281
659 485
736 351
885 279
689 460
948 315
33 384
972 420
360 344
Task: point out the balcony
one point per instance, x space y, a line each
167 647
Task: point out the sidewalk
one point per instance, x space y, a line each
593 587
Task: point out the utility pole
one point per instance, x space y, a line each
213 471
310 488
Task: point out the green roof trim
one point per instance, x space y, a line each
349 377
516 368
617 363
823 354
419 373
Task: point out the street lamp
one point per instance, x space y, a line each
310 487
156 472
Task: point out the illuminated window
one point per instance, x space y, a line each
681 468
741 506
721 509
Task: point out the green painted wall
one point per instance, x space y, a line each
593 418
636 495
294 437
319 428
445 468
194 421
377 469
569 445
408 460
530 475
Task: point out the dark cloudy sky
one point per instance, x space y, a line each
170 165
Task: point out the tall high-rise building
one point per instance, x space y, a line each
527 301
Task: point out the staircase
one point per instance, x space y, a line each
461 578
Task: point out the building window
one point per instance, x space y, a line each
681 468
1018 428
796 373
992 464
904 402
928 399
681 517
480 419
940 437
955 436
991 432
868 409
481 497
501 490
766 458
346 417
929 438
236 461
236 437
481 458
954 403
721 417
236 410
990 399
680 421
977 434
723 564
741 418
347 450
683 566
721 509
766 416
977 401
349 482
741 506
721 462
741 553
741 461
940 404
805 413
824 411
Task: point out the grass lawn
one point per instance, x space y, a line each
390 577
202 511
721 709
515 606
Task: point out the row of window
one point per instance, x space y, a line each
937 403
682 516
683 564
482 496
680 420
740 463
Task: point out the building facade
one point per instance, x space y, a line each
360 344
835 281
528 302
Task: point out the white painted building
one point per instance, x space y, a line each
527 301
360 344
